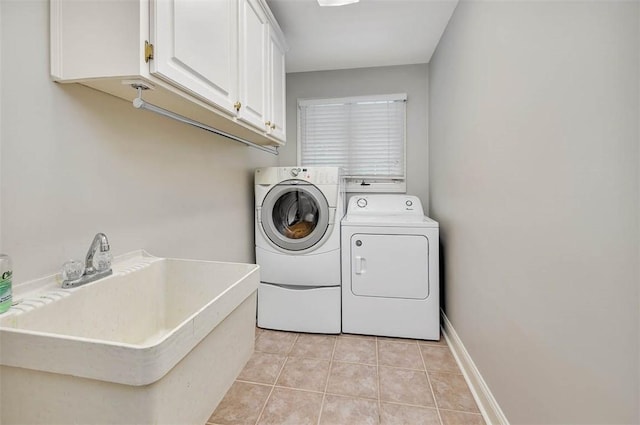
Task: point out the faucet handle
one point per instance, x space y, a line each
72 270
102 260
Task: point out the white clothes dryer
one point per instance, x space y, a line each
390 268
297 232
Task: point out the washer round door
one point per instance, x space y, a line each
295 215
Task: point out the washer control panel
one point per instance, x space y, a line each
314 175
385 204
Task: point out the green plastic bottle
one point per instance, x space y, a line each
5 282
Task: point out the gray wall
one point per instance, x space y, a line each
77 161
534 179
410 79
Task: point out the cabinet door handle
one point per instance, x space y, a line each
268 123
237 105
273 126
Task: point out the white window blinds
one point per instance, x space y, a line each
364 135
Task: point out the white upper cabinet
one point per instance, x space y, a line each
196 47
253 45
220 62
277 107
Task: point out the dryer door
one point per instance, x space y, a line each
295 215
390 266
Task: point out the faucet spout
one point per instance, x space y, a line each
100 242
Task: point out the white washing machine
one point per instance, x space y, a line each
390 279
297 222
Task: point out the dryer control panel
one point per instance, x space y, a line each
385 204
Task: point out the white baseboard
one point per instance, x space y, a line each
487 404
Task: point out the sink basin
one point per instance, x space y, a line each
131 329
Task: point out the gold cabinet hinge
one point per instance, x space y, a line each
148 51
237 106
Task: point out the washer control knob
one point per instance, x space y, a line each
295 172
361 202
409 203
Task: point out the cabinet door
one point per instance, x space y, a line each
253 64
277 111
195 47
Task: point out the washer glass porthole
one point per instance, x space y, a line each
295 215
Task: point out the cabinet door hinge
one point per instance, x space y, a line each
148 51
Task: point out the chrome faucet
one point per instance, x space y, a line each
100 244
99 241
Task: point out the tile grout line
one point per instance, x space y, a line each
433 394
359 363
420 406
244 381
304 390
326 385
357 397
369 364
264 406
378 378
463 411
444 372
398 403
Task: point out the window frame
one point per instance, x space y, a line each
359 184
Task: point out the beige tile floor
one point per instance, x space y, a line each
297 379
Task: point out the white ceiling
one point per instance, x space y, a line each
365 34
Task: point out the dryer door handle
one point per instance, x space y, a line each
360 265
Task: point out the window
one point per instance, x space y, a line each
365 135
